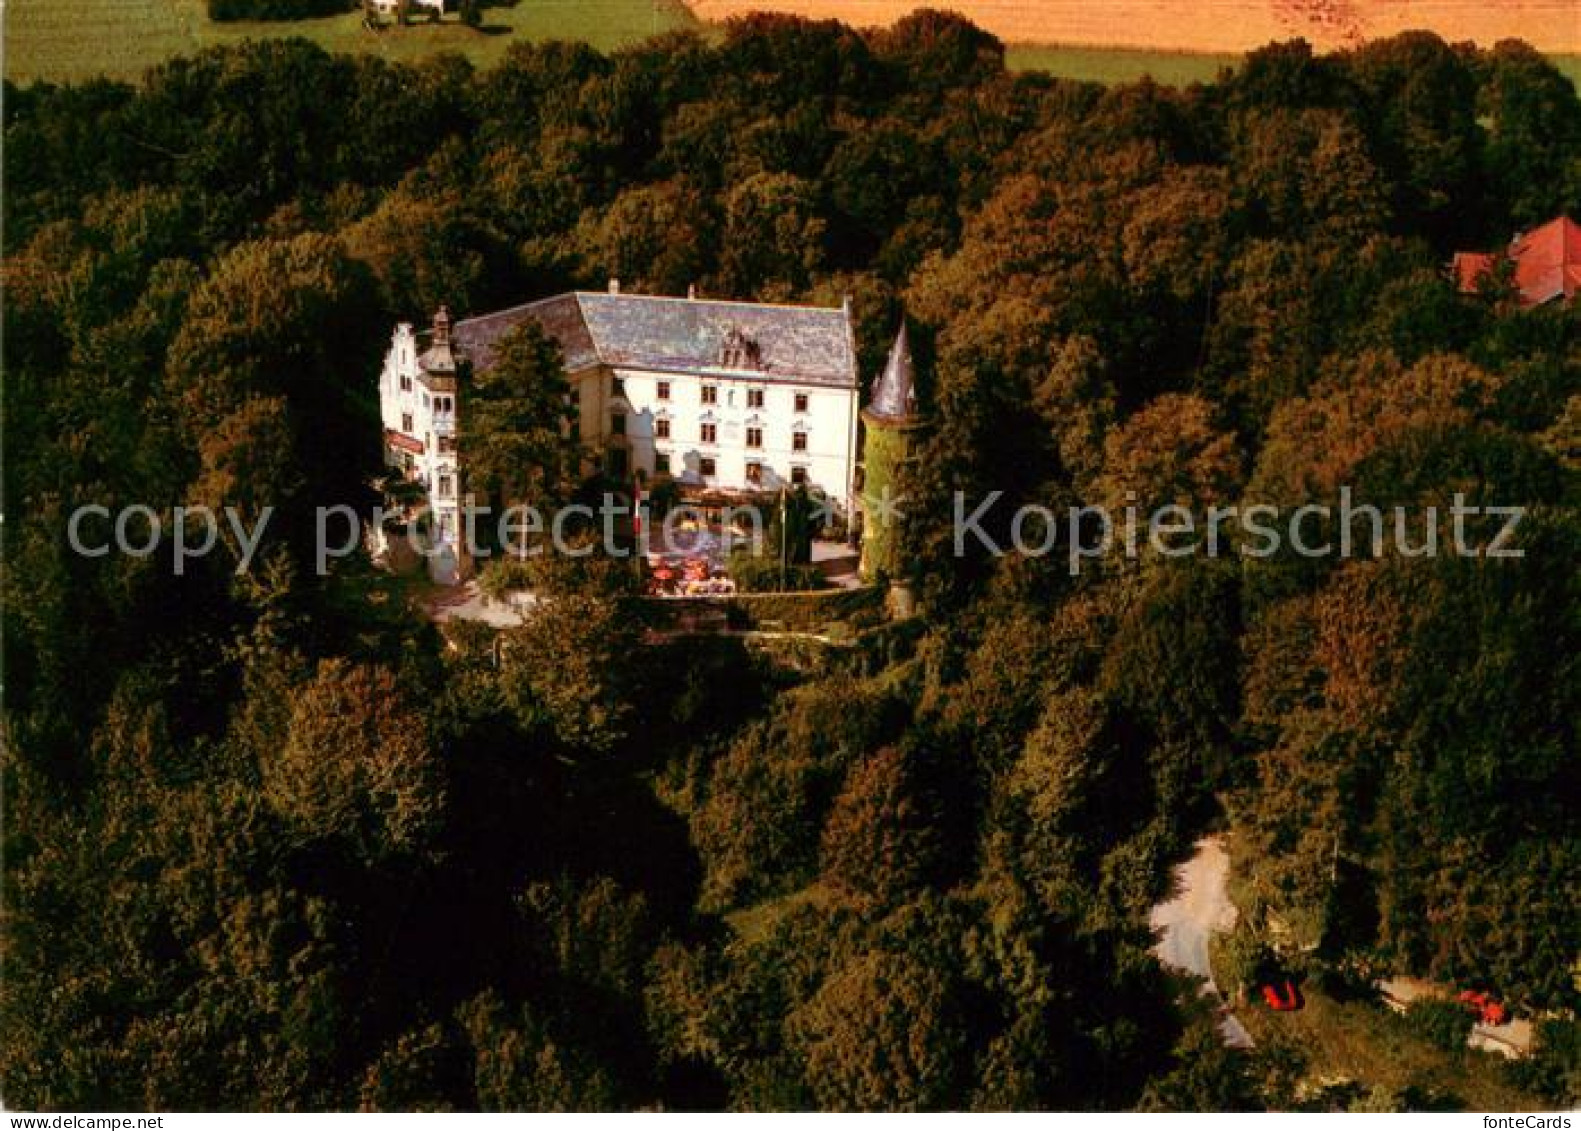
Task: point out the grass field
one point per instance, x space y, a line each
1097 64
67 40
63 40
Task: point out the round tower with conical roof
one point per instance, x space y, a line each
892 427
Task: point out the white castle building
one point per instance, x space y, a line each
729 399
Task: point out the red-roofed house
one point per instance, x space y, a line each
1547 263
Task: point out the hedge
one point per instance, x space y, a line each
225 10
806 611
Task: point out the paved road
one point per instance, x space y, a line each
468 602
1199 909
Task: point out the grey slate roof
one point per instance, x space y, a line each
808 344
895 389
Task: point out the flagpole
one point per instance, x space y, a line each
784 538
636 521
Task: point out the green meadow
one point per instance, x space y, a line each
1107 65
65 40
72 40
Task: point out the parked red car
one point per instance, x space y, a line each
1288 1003
1484 1006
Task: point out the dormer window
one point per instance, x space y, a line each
737 351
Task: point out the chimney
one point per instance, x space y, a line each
845 305
691 290
442 326
614 286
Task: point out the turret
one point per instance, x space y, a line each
892 426
438 360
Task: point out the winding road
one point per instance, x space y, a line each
1199 909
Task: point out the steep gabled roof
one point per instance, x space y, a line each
895 390
801 343
1547 263
560 317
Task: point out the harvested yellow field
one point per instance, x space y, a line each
1211 25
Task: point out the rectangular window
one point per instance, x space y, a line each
801 402
798 441
710 433
618 464
661 428
706 466
447 444
798 477
617 386
664 390
406 423
617 423
661 463
406 383
443 487
754 437
710 394
754 398
754 473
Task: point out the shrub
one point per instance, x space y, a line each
754 574
803 612
1239 960
1554 1068
1440 1022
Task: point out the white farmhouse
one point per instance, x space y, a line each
729 399
391 8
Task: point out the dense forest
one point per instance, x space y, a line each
271 841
